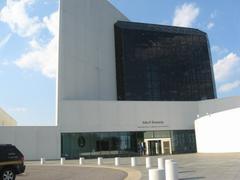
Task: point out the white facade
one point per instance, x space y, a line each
219 105
33 142
86 52
109 116
215 132
218 132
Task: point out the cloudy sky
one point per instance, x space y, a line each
29 47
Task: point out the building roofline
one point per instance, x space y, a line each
158 27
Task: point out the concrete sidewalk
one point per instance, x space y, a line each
70 173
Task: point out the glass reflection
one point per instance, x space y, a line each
157 62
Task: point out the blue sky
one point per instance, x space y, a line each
29 43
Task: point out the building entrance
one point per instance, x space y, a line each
158 146
154 147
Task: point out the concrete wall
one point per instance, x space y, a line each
219 132
87 69
217 128
218 105
216 132
87 50
33 142
105 116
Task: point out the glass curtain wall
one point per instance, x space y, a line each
183 141
74 145
162 63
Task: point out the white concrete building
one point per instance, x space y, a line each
97 114
217 131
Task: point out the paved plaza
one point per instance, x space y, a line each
34 172
190 167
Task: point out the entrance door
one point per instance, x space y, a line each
154 147
157 146
166 147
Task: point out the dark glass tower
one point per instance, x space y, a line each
162 63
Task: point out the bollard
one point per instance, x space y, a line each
156 174
62 161
117 161
175 170
81 161
161 163
148 162
42 161
171 170
99 161
133 161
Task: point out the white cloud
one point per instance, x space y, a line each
225 67
229 86
185 15
34 44
14 13
52 23
5 40
43 57
210 25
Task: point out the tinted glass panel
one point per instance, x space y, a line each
75 145
156 62
183 141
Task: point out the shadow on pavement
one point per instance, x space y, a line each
192 178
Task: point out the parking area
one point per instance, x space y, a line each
190 167
34 172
